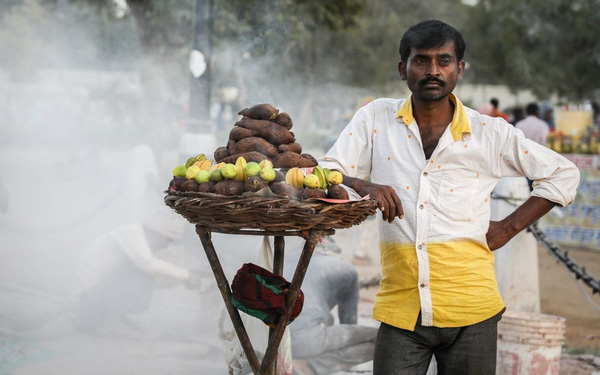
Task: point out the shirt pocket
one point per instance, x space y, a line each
457 196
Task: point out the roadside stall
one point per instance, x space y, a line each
261 184
578 139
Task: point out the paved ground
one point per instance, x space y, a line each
184 338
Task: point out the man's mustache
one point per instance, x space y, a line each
432 79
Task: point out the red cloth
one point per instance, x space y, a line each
259 289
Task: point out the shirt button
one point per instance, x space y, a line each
425 173
419 246
422 285
421 206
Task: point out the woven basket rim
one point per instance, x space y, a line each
249 195
267 213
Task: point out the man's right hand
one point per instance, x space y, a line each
386 197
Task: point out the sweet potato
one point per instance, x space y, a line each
311 158
260 112
284 120
207 187
190 185
229 187
178 183
290 159
221 153
255 144
293 147
308 193
337 192
230 144
249 156
255 183
272 132
281 188
279 176
238 133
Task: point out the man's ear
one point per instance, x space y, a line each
402 70
461 69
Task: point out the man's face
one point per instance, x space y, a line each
432 74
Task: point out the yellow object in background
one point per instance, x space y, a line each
572 122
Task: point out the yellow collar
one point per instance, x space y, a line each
460 122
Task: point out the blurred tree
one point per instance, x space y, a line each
274 35
162 26
280 37
547 46
268 46
367 55
18 29
7 5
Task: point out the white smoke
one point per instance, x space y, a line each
69 133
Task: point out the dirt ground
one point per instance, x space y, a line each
560 295
182 353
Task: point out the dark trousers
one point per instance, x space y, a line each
469 350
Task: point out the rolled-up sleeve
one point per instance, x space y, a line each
555 178
560 186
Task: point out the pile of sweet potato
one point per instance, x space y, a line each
264 133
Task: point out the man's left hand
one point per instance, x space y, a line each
497 235
500 232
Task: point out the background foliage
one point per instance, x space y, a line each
548 46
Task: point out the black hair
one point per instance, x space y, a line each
428 34
494 102
533 109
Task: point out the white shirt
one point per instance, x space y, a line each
127 243
534 128
445 200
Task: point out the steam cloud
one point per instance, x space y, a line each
73 118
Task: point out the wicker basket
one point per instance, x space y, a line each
228 214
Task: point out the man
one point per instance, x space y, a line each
547 114
432 164
532 126
518 114
320 347
496 112
119 269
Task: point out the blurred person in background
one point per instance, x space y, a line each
518 114
547 114
496 112
595 113
431 164
119 271
320 345
534 128
485 109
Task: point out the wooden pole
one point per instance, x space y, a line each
271 352
267 366
223 285
278 255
